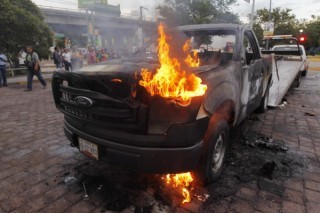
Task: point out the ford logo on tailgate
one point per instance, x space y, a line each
83 101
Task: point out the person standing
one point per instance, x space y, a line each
3 72
67 60
33 65
91 56
57 59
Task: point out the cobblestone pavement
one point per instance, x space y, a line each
40 172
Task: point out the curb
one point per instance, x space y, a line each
313 58
314 68
24 81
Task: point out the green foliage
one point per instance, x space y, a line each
258 31
312 30
286 24
184 12
22 24
284 21
60 42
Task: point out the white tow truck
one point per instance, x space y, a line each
290 64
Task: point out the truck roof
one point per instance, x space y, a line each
197 27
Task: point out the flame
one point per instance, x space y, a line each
181 181
170 81
191 61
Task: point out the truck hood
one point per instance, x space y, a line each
117 83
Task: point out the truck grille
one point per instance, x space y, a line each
77 113
126 115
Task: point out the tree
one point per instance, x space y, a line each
284 21
183 12
312 30
22 24
258 31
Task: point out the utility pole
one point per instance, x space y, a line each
141 19
252 15
88 27
93 30
269 20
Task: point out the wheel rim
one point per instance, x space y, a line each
218 153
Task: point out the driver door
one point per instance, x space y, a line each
252 68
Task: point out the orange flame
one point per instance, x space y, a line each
170 81
191 61
181 181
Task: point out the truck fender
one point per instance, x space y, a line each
222 101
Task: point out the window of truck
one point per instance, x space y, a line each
288 49
250 47
213 46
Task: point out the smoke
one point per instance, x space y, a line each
133 7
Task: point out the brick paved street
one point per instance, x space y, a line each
40 172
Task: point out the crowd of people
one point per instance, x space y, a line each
69 60
72 60
65 58
32 63
95 56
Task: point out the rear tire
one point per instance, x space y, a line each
304 73
217 144
297 80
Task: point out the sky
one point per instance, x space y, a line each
303 9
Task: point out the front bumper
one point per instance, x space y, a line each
141 158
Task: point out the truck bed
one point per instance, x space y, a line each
288 70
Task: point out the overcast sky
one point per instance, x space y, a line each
303 9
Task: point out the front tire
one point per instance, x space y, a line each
217 143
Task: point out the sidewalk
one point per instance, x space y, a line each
22 79
47 68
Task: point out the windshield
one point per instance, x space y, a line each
286 48
214 46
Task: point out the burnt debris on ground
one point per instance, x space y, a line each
254 160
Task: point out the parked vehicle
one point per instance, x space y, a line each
110 116
303 56
291 64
